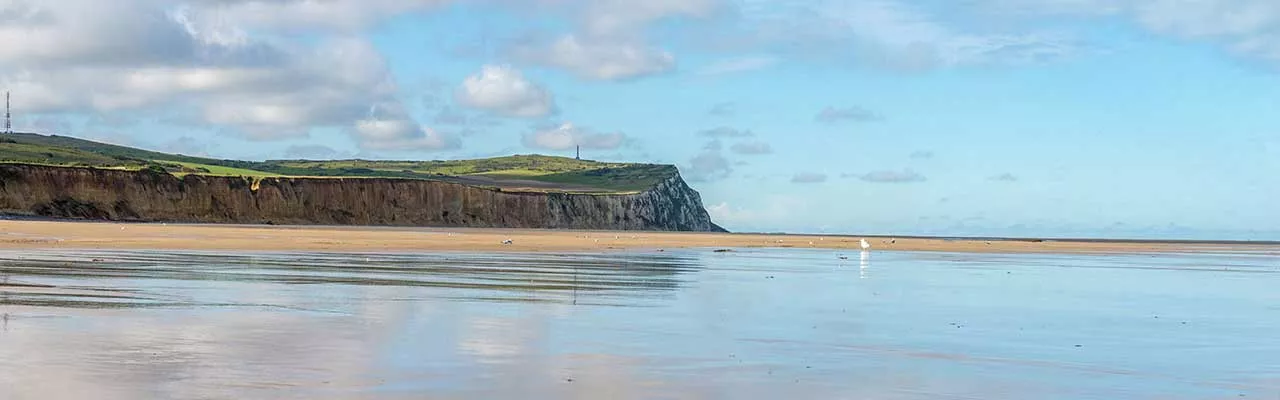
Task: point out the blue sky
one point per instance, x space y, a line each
1127 118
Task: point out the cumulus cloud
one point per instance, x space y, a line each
708 166
751 148
599 59
609 18
567 136
310 15
809 177
894 34
833 115
389 127
504 90
197 63
609 42
726 132
401 134
768 211
1248 28
889 176
737 65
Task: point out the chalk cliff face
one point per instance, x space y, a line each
150 196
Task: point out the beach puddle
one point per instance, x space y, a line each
688 324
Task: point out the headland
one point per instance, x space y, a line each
65 177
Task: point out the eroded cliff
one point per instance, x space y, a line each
105 194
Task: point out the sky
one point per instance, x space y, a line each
1099 118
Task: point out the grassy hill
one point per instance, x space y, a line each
526 172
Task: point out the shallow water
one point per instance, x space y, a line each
750 324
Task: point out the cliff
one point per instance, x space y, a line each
120 195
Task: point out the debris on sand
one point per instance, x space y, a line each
508 241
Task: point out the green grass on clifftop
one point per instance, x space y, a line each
529 172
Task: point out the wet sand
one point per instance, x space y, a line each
681 324
23 234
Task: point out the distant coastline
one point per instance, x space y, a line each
1030 238
1226 242
36 234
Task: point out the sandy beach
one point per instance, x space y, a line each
22 234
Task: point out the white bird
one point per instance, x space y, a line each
864 244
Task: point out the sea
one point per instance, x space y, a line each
638 324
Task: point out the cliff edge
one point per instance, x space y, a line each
156 196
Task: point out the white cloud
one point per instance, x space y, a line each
1015 8
709 165
597 59
83 31
609 40
389 128
1246 27
504 90
1249 27
888 33
402 135
308 15
736 65
176 63
770 211
567 136
610 18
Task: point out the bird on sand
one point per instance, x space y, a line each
864 244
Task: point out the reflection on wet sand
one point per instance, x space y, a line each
539 277
749 324
863 264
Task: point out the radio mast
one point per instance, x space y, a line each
8 117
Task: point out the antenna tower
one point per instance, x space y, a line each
8 118
577 152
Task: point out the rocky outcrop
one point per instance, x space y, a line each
104 194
